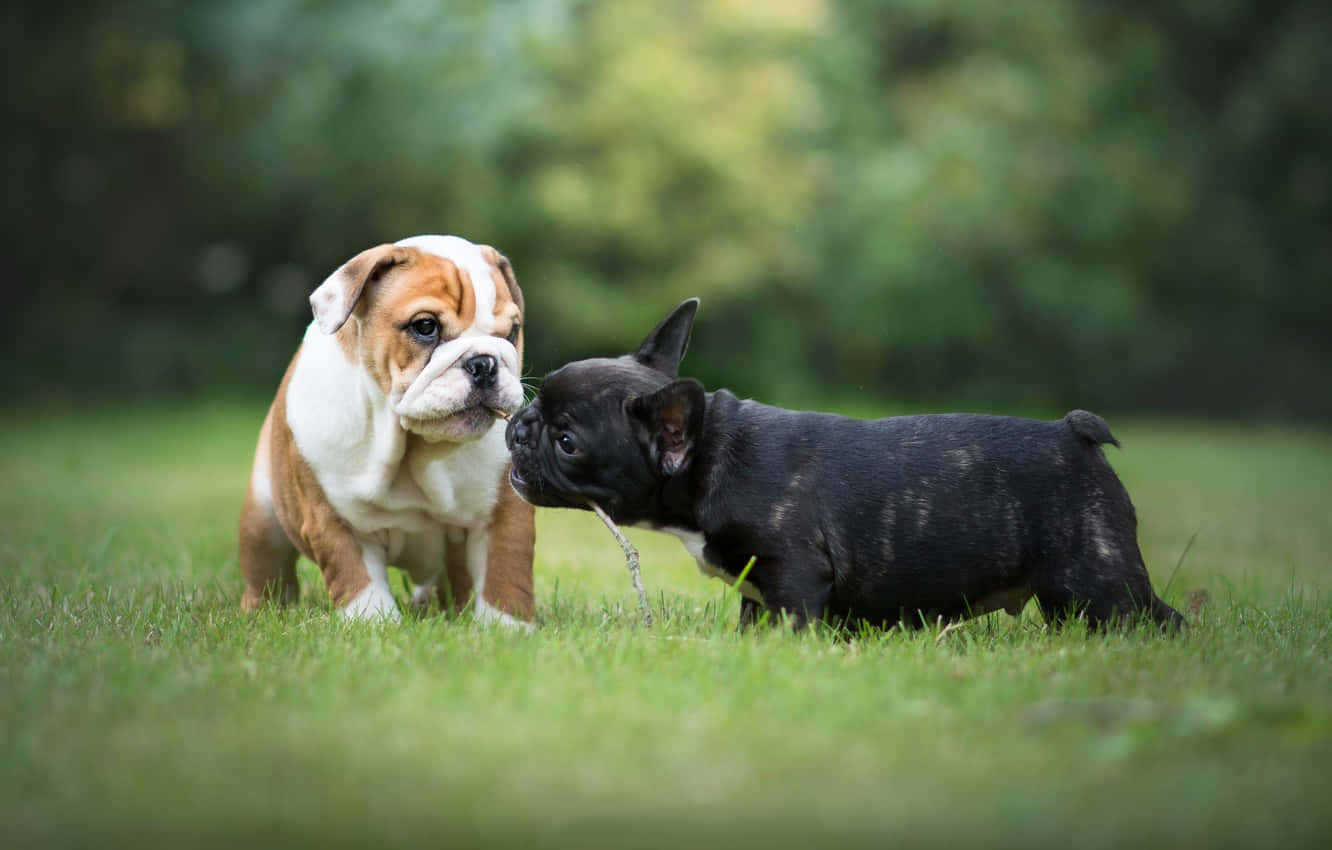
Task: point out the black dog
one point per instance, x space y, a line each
895 520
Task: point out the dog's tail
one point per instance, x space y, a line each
1090 428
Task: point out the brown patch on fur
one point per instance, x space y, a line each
508 560
512 541
420 284
387 286
267 556
300 513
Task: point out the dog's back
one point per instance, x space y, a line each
943 515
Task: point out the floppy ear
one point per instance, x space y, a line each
502 263
506 268
335 298
669 422
665 347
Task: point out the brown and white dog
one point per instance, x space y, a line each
382 446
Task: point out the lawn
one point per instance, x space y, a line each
138 707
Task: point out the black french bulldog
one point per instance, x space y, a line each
899 520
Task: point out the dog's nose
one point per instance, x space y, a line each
518 431
482 368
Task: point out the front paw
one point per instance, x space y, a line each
488 614
374 603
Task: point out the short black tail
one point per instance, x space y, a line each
1090 427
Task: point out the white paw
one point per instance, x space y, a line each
373 603
488 614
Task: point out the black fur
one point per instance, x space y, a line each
900 520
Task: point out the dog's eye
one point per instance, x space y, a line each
426 327
566 444
513 333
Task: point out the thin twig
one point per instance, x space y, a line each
630 557
501 414
954 626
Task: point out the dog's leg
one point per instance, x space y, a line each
801 588
500 568
375 599
267 556
1104 580
422 558
1093 565
454 589
478 556
499 560
509 563
355 571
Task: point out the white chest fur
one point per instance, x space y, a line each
375 476
694 542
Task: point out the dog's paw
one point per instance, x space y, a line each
374 603
488 614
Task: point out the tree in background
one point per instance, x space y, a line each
930 201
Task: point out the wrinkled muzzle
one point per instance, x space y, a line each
456 396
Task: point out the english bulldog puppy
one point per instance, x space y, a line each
899 520
383 447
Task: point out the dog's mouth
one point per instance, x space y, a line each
517 480
535 492
444 406
467 423
525 488
476 413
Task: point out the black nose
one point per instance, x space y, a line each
482 368
518 430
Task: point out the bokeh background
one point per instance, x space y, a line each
1006 206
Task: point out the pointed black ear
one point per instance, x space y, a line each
665 347
669 423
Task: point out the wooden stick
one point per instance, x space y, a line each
630 557
943 633
501 414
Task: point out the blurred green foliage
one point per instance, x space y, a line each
999 205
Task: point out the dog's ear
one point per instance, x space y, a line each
335 298
505 268
665 347
669 422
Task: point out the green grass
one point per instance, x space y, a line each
138 707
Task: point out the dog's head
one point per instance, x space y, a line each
437 323
614 431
